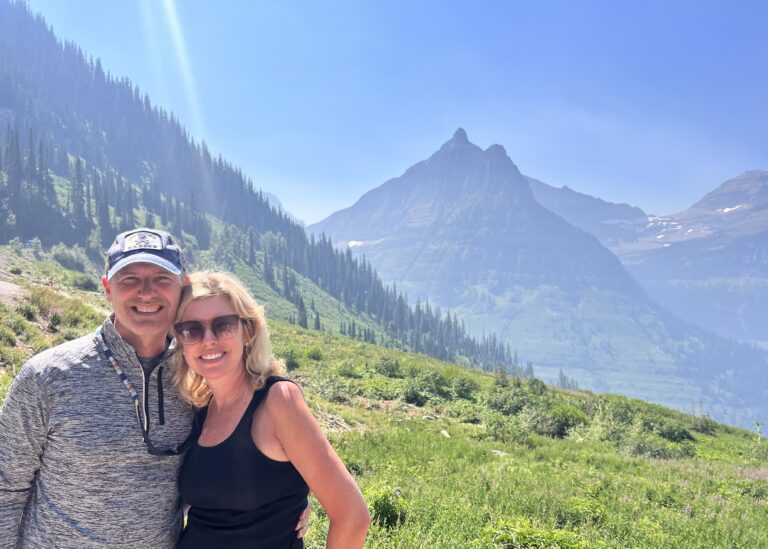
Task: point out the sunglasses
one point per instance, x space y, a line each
193 331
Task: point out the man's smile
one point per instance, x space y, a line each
147 308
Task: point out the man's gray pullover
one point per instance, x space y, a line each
74 471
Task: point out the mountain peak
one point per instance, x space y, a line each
460 136
496 150
748 191
459 141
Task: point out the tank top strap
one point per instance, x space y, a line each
258 397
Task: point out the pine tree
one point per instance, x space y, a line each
77 196
13 164
30 164
105 223
302 312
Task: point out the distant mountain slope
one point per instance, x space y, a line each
463 230
709 264
609 222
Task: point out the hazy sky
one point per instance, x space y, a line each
650 103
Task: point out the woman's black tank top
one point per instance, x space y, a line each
239 497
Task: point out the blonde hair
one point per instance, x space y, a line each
260 363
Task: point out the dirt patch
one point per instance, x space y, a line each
11 293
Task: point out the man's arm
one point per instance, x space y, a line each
23 433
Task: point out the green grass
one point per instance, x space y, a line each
448 457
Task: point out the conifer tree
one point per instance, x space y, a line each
30 164
77 196
302 312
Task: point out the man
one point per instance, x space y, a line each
93 431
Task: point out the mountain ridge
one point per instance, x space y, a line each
463 228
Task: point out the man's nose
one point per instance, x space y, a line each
147 287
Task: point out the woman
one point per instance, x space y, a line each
259 450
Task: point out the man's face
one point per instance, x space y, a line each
144 298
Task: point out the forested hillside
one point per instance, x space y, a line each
86 155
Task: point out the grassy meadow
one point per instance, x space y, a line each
450 457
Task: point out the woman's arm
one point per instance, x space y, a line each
306 447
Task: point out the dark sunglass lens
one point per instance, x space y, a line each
190 332
225 326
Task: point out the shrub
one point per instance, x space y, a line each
508 401
348 369
520 533
565 417
412 394
39 343
314 353
575 511
85 282
433 383
464 412
388 366
11 357
425 386
666 429
641 443
291 362
68 334
16 245
704 424
507 429
19 325
465 388
7 337
382 388
535 386
54 321
539 420
356 468
330 389
617 409
663 494
387 506
73 258
27 311
15 270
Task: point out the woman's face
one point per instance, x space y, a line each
214 357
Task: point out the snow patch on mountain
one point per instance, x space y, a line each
363 243
729 210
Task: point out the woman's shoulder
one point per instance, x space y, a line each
283 393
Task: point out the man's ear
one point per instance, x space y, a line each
105 283
186 280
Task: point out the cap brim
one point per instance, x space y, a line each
143 258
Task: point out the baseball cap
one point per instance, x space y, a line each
145 246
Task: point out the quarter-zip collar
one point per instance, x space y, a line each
124 353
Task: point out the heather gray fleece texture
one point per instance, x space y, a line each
74 472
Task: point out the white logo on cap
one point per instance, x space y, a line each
142 241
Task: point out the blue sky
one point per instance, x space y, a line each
649 103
